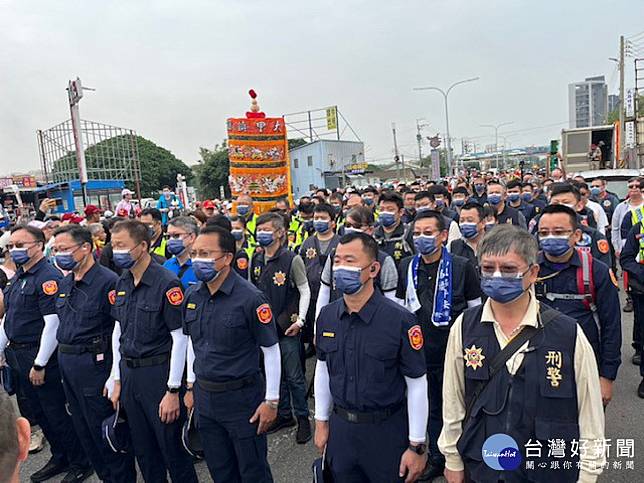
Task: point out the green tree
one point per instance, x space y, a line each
613 116
159 166
213 170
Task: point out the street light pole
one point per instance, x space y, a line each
445 94
496 138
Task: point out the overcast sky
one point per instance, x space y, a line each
175 70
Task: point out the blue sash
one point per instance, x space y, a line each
441 315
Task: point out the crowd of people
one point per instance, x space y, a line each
439 313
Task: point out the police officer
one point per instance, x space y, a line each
516 201
84 303
149 350
425 201
182 232
580 287
369 354
528 195
314 251
281 275
480 191
391 233
591 240
437 286
228 320
472 226
546 388
244 252
158 243
29 328
496 196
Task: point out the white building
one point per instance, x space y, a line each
322 163
588 102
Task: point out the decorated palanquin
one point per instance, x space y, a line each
258 154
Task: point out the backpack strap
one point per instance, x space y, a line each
586 285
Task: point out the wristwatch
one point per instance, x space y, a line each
419 449
272 404
38 368
173 390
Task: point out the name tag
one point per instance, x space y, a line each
191 306
328 334
121 293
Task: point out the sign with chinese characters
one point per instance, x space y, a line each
629 134
259 164
20 181
629 103
332 118
357 168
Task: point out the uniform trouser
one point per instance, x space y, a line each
83 381
435 420
157 446
293 385
47 406
369 452
234 452
638 314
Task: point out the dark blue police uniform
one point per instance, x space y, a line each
394 244
85 359
227 330
368 354
538 402
606 339
184 272
526 209
28 298
148 312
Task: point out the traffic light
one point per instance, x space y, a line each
554 149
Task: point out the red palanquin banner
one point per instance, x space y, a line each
259 162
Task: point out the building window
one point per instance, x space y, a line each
309 160
295 163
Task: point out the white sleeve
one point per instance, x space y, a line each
4 340
48 340
391 295
454 232
305 300
190 377
322 390
273 369
417 408
116 352
602 223
177 357
323 298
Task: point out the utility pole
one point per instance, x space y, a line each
402 162
621 102
496 138
419 139
75 94
396 157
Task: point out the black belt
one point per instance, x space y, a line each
146 361
98 347
369 417
228 385
26 345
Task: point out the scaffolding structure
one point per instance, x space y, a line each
111 153
316 124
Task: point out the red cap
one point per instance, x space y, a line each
91 210
208 204
72 218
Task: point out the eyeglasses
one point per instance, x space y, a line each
633 186
505 272
544 233
11 246
71 249
355 226
175 236
205 253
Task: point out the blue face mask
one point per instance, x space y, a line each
469 230
265 238
19 256
494 199
65 261
347 279
502 289
440 204
459 202
321 226
175 246
243 209
368 201
489 226
387 219
237 234
556 246
308 225
204 269
480 188
349 229
595 191
425 245
514 197
527 197
123 259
